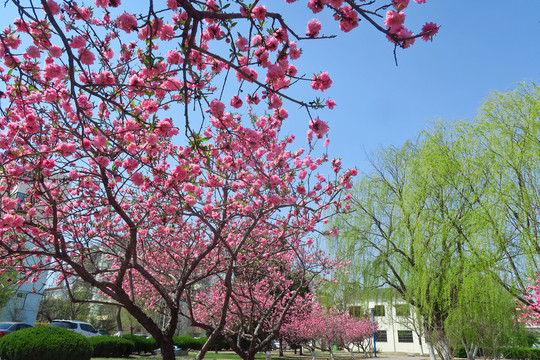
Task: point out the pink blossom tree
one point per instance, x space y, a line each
263 295
321 328
358 334
343 330
95 99
305 329
529 312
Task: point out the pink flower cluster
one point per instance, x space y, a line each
313 28
318 127
321 81
395 19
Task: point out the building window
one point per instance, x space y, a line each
405 336
402 310
356 311
378 310
381 336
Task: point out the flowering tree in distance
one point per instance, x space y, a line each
95 99
263 295
529 312
318 326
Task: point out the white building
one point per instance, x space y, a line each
24 304
398 328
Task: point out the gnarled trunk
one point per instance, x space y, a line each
167 347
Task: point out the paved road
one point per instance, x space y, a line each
400 356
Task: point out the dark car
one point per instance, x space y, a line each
9 327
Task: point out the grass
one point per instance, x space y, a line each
228 355
223 355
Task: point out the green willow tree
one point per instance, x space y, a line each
7 286
480 320
462 199
504 173
403 233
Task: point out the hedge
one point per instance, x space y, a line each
142 344
111 346
45 343
189 343
219 344
519 353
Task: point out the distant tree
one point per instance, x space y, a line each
484 318
321 328
263 294
530 311
503 170
460 201
7 285
70 303
401 233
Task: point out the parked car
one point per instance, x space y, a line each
9 327
81 327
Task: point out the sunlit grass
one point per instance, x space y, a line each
227 355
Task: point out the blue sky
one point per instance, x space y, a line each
481 46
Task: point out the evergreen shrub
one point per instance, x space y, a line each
142 344
188 343
45 343
111 346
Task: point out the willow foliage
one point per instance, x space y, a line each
458 205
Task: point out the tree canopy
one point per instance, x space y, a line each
457 205
141 170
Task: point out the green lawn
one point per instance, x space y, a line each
211 355
226 355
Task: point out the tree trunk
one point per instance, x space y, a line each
470 349
471 354
268 355
445 351
331 347
167 348
431 350
119 321
250 355
312 353
206 347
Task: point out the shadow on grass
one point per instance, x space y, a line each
226 355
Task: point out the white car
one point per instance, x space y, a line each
81 327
